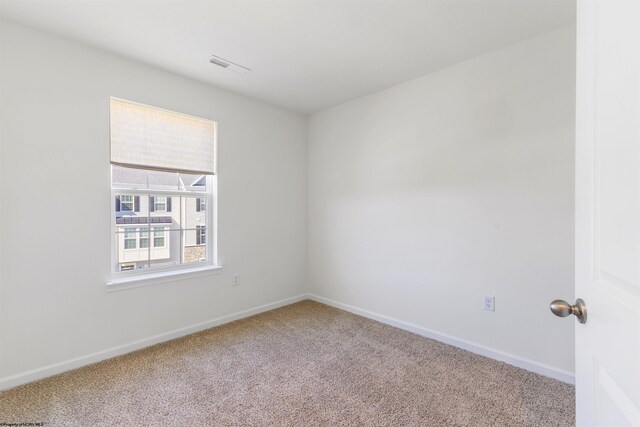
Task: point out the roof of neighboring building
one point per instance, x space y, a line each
143 220
122 175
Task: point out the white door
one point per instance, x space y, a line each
608 212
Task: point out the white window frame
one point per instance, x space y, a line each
142 277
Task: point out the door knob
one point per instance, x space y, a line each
561 308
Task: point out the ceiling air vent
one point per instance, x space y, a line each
225 63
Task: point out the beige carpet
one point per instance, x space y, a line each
302 365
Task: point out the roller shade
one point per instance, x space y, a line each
153 138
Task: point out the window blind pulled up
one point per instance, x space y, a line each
153 138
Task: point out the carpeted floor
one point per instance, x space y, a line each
302 365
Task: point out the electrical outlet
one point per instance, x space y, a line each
489 303
236 280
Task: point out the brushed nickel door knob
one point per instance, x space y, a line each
561 308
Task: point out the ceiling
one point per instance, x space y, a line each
305 55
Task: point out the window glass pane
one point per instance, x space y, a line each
159 230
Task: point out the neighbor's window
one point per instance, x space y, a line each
130 238
144 237
126 203
201 204
159 203
162 188
201 236
158 237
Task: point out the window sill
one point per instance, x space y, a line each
137 281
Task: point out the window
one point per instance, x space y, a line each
160 204
143 238
201 235
130 241
158 237
162 178
126 203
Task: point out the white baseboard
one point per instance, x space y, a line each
58 368
511 359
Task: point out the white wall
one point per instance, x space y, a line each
421 199
426 196
56 203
